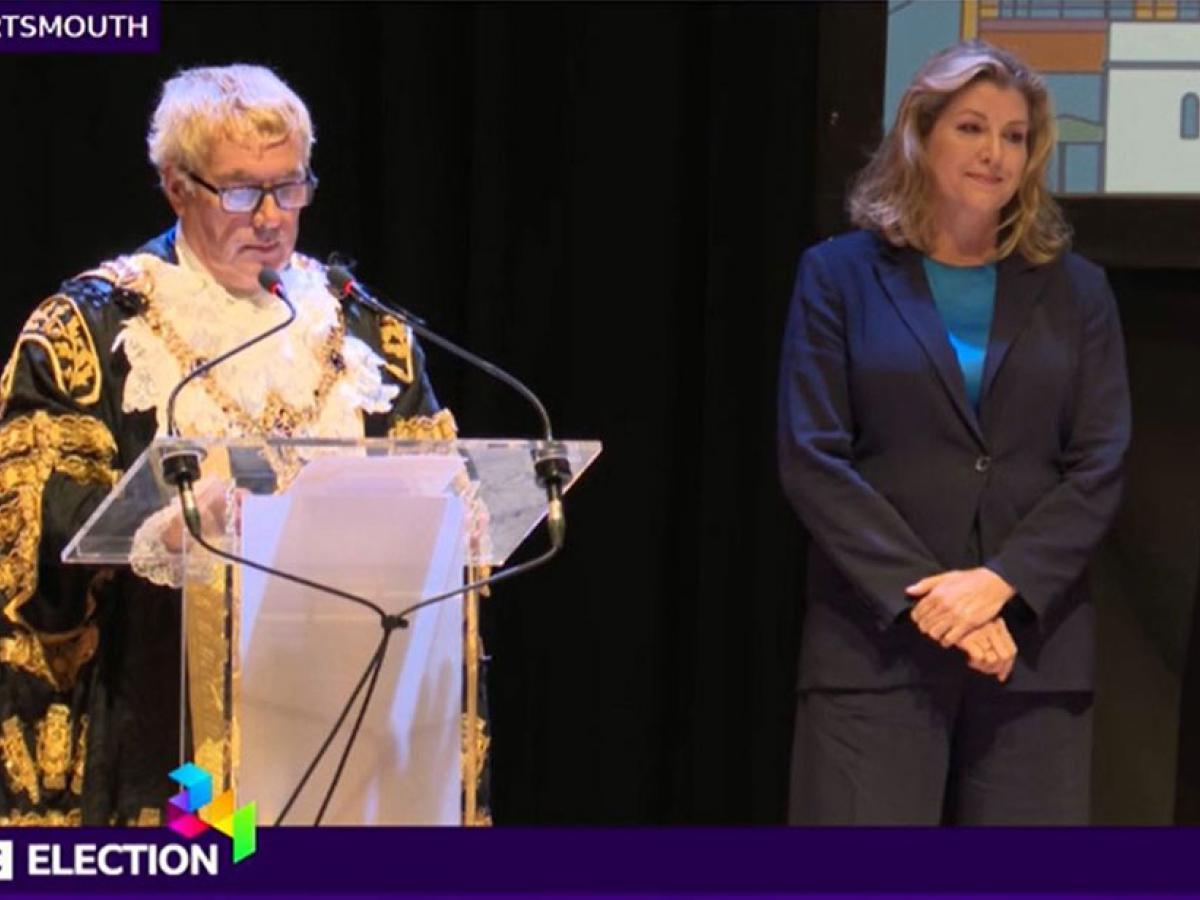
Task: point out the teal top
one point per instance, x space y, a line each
965 297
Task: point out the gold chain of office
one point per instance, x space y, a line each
277 417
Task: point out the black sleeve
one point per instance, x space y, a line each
856 526
57 457
1049 548
416 413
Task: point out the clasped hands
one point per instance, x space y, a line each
961 608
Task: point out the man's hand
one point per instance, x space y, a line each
211 497
990 649
953 604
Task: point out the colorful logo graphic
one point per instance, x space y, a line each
194 809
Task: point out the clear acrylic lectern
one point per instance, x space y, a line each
270 664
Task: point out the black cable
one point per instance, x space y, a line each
377 664
343 285
337 726
491 368
286 576
550 463
484 582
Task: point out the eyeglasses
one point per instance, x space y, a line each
247 198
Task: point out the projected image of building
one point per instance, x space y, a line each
1124 75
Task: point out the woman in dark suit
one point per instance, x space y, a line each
954 416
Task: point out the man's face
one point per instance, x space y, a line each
234 247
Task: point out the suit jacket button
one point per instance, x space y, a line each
983 464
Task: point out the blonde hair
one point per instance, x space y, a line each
243 103
893 195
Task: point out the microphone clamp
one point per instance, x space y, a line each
181 464
181 468
553 472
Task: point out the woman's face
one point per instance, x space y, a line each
977 151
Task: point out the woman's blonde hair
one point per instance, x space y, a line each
243 103
894 196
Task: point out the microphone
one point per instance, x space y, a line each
272 282
549 461
181 465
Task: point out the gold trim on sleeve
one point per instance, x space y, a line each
32 448
18 762
438 427
54 658
23 651
7 377
395 340
72 818
58 327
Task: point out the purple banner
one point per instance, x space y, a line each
591 862
79 26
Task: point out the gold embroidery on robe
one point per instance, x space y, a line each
18 762
6 380
54 658
24 651
476 741
57 754
438 427
58 327
54 747
210 602
32 448
50 819
395 340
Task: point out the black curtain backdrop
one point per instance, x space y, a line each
610 200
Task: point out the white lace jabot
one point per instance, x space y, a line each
288 366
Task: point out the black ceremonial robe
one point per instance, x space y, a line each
89 658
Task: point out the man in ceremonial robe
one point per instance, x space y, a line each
90 658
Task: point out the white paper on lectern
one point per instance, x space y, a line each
425 475
389 529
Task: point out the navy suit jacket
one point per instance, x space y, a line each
896 476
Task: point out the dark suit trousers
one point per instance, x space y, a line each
971 753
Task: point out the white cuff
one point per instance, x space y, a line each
149 556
